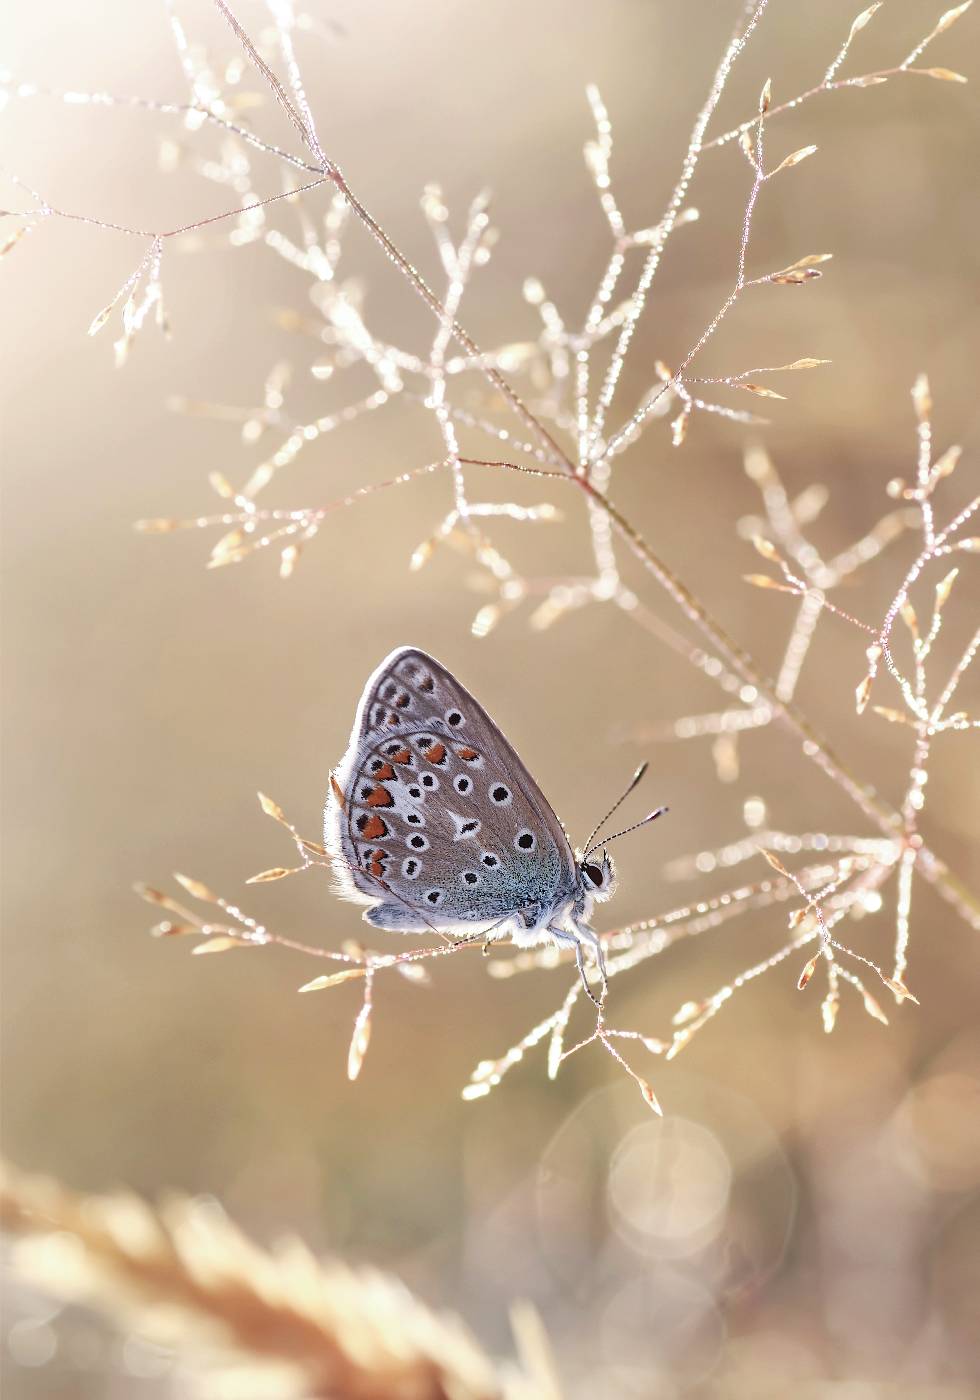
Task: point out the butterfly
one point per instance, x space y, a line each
434 822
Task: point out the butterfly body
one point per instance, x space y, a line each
435 823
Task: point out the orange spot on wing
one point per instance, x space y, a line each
384 773
436 754
467 754
373 828
402 756
380 797
376 869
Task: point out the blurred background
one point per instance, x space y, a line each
805 1220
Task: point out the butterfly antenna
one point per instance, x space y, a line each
650 817
618 803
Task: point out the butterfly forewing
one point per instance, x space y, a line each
433 815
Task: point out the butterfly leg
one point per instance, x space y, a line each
473 938
486 935
465 941
592 938
563 936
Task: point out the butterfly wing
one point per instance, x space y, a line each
432 818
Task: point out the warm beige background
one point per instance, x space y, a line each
146 700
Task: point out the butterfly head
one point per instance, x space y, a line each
596 872
597 875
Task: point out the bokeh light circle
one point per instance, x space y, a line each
668 1186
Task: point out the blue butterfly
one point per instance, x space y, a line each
435 823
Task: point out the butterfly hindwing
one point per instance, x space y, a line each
432 817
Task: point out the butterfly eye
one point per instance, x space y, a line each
593 873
